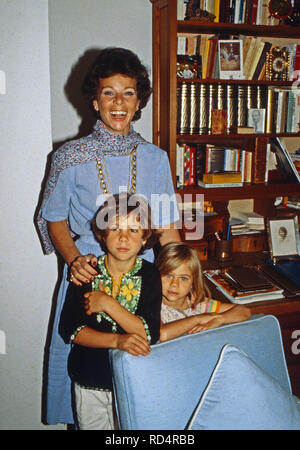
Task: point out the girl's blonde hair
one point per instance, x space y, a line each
174 254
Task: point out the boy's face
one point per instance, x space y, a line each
177 285
124 239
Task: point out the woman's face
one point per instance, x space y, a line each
117 102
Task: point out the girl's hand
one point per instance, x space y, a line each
95 301
81 269
134 344
206 322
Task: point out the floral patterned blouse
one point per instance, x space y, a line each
139 292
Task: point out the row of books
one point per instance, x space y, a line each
267 109
208 166
254 12
212 166
199 56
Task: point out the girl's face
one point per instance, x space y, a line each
177 285
125 239
117 102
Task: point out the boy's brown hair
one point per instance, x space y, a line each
121 205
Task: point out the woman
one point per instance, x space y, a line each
83 172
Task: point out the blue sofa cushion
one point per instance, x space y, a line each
241 396
161 391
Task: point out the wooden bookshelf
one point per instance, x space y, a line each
192 26
165 84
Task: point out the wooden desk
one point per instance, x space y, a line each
287 311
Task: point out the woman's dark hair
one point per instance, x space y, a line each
121 205
114 60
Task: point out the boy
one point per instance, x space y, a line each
121 309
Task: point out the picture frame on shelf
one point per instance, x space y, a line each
283 237
256 119
230 54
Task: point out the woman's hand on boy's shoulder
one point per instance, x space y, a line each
82 269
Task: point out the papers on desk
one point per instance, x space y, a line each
247 223
231 289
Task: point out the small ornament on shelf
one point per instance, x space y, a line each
277 64
194 12
280 9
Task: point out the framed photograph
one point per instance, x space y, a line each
283 237
231 59
256 119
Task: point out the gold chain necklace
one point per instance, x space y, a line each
131 186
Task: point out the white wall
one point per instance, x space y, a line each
27 277
77 26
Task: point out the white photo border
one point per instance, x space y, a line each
231 74
283 237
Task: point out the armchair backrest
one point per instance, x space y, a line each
161 391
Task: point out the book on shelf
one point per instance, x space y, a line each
296 63
284 161
222 177
259 161
218 121
181 9
245 130
185 165
200 183
250 56
235 293
261 60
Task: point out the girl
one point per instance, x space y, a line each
186 303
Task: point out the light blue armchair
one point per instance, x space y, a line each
232 377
